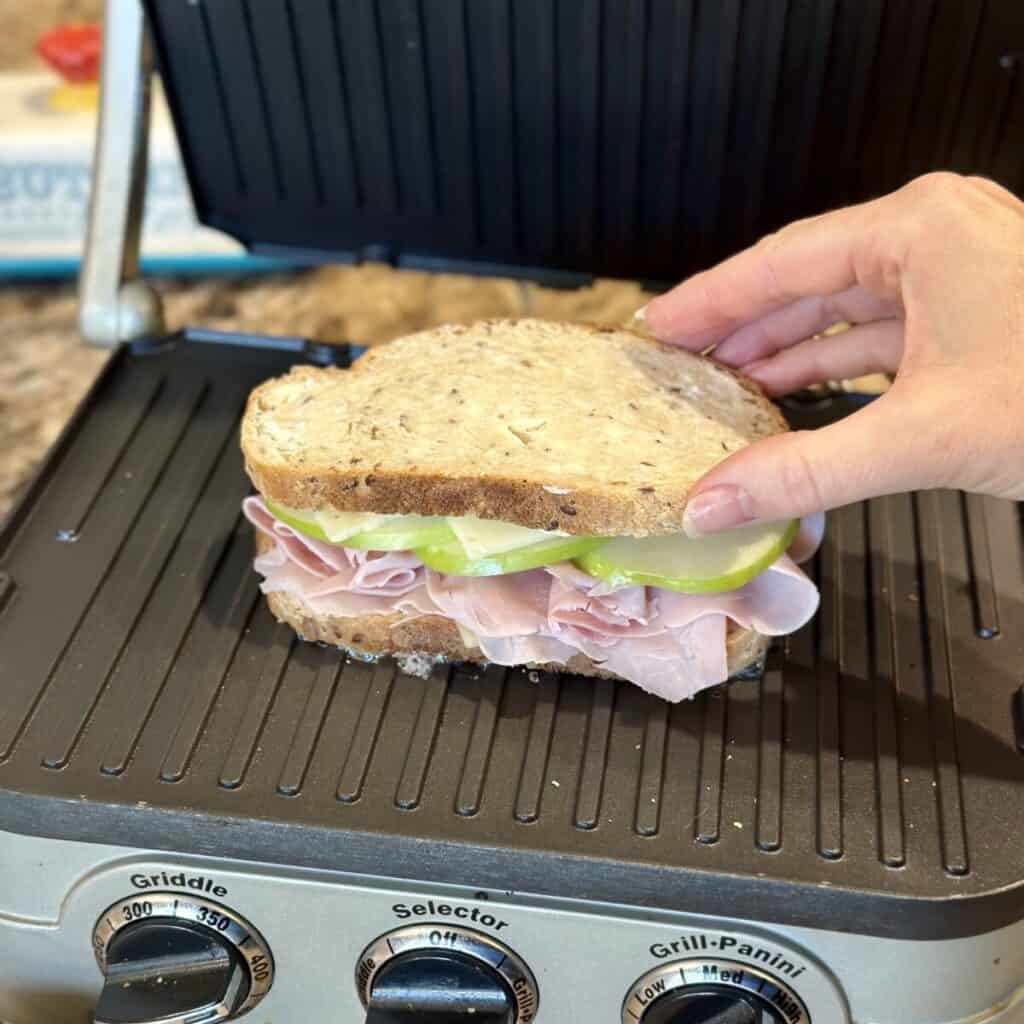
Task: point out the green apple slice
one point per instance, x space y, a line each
389 533
706 565
301 521
453 560
403 533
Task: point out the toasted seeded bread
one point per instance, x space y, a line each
554 426
435 636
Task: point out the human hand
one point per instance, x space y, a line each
932 277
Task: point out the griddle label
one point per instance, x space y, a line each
430 908
179 880
732 946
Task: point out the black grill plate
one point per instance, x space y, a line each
869 781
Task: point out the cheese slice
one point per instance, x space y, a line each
340 526
481 538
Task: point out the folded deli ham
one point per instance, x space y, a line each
670 644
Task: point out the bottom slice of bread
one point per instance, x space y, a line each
433 637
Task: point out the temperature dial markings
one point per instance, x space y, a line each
474 945
671 980
167 906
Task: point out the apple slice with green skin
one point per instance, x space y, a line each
298 521
453 560
705 565
402 533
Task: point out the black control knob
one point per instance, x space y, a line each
168 970
444 974
712 991
439 987
706 1006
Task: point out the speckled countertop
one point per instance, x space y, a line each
45 369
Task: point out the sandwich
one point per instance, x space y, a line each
512 492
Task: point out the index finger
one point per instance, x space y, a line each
818 256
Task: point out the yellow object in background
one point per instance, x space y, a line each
74 98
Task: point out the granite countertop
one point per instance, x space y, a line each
45 369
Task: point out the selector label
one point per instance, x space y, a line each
179 880
431 908
775 960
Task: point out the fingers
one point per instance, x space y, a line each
799 321
812 257
869 348
797 474
820 256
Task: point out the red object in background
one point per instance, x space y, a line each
73 51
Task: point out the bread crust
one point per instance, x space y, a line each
702 423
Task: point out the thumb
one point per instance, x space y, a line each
882 449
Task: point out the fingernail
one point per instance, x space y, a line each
640 314
718 508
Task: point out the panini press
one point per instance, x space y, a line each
205 819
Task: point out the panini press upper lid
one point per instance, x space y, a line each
869 781
561 139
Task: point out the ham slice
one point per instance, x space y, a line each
671 644
497 607
808 538
376 573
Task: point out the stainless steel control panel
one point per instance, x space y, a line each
277 945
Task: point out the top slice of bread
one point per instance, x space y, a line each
554 426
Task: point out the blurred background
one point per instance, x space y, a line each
44 369
49 60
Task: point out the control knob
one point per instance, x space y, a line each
711 992
171 958
444 975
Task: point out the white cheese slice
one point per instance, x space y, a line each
340 526
483 537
